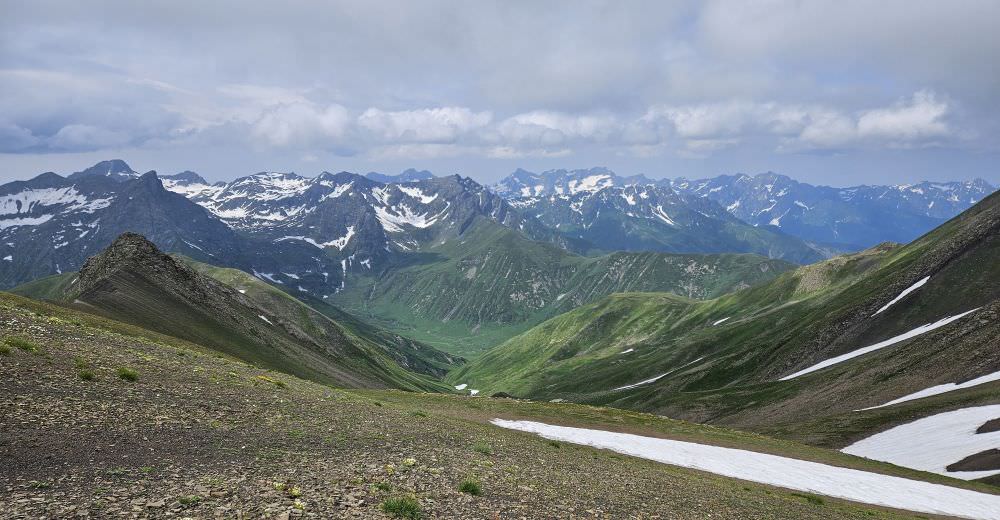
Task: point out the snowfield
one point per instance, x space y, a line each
657 378
932 443
941 389
880 345
920 283
799 475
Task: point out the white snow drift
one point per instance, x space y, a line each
920 283
940 389
933 443
800 475
880 345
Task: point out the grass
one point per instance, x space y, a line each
127 374
23 344
402 507
5 350
87 375
471 486
482 447
812 499
189 500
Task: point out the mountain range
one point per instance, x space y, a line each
830 219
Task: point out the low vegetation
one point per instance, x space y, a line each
471 486
402 507
127 374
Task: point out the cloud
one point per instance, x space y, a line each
301 125
427 125
920 119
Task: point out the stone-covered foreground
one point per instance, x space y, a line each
195 435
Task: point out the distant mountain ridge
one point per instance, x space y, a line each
847 219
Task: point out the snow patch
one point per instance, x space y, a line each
418 194
920 283
880 345
933 443
462 386
718 322
657 378
785 472
265 319
940 389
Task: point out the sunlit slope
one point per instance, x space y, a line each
729 371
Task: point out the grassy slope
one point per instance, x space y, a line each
475 291
303 342
204 432
800 318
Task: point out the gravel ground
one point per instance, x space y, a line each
199 436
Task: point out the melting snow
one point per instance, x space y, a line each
933 443
265 319
920 283
461 386
25 221
657 378
627 351
473 392
658 211
717 322
880 345
785 472
417 193
941 389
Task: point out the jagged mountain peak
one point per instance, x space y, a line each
187 177
129 251
116 169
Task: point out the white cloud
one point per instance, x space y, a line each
920 119
301 124
427 125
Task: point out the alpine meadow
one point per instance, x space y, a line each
461 260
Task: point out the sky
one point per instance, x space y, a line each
828 92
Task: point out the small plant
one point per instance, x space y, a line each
189 500
482 447
409 462
87 374
418 413
471 486
298 504
402 507
127 374
276 382
296 491
812 499
5 350
554 444
383 486
22 344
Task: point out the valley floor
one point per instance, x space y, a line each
202 436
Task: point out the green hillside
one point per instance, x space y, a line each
472 292
729 371
193 434
131 281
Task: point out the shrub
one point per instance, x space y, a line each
470 486
482 447
22 344
127 374
4 350
554 444
87 375
402 507
383 486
